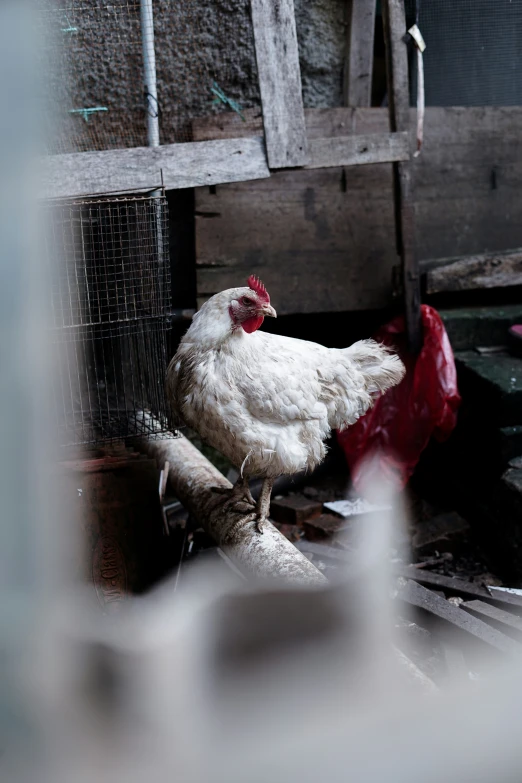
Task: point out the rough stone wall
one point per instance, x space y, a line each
197 43
321 33
98 63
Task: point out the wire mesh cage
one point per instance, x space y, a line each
110 316
95 81
204 64
473 55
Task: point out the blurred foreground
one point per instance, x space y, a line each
221 680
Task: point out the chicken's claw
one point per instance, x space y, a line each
260 523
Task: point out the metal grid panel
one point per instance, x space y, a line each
473 55
205 62
94 64
110 315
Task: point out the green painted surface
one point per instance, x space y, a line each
471 326
492 385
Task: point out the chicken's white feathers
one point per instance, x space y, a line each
268 402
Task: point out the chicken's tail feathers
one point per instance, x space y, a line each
378 363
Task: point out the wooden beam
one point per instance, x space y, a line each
499 618
398 98
453 585
358 150
359 52
320 123
464 273
143 168
415 595
333 137
460 209
292 227
280 82
267 555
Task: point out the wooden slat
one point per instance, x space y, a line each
357 150
501 618
182 166
485 270
415 595
332 137
320 123
320 239
450 584
326 236
455 586
394 22
468 182
399 101
280 82
228 125
359 55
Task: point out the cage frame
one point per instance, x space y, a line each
285 142
100 312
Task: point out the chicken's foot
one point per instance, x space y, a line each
263 504
239 496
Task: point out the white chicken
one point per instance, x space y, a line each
268 402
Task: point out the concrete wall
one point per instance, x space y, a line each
96 52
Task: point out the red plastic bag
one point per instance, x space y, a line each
397 429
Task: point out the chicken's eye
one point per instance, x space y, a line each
246 301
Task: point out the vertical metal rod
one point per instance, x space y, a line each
149 72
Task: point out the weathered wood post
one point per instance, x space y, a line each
394 21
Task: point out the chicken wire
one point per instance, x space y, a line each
205 64
473 55
109 316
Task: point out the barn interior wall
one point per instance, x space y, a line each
325 238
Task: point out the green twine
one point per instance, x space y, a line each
86 113
222 98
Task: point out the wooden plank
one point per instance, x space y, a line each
320 123
228 125
460 587
321 239
450 584
394 22
277 57
501 619
468 182
469 170
181 165
492 258
359 55
485 270
357 150
333 139
415 595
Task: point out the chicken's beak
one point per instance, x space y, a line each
267 310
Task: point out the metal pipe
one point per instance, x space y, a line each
149 72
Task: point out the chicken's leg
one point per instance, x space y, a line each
263 504
239 496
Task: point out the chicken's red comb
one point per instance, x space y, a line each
256 285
